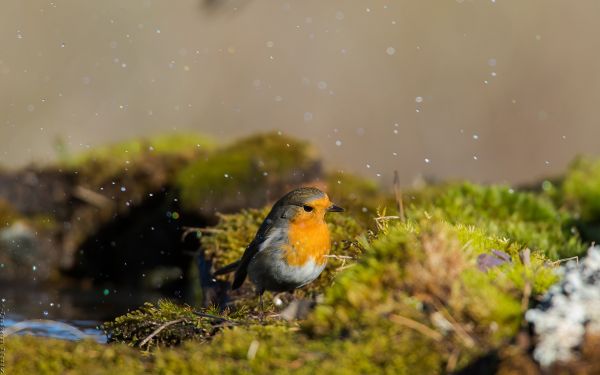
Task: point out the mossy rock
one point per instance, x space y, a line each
120 155
529 219
421 277
247 173
168 324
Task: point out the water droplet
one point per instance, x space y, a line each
322 85
338 143
308 116
475 136
427 161
339 15
123 188
390 51
419 99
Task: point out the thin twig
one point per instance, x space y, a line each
526 295
398 194
419 327
382 218
159 329
339 256
453 360
460 331
558 262
341 268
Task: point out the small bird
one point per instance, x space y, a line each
290 248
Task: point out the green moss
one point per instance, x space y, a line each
134 327
581 189
149 160
278 350
175 144
422 277
33 355
241 350
526 218
244 173
414 303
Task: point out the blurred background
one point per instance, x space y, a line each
489 91
493 91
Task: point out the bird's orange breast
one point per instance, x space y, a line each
308 240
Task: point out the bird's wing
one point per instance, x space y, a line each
264 236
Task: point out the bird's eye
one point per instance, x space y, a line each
307 208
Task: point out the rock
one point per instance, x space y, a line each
570 311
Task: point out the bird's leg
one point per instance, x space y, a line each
260 304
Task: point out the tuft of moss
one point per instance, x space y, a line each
44 356
143 163
524 217
580 189
247 173
169 323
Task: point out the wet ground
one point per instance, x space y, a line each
69 314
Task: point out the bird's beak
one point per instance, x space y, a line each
334 208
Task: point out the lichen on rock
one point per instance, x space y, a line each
569 312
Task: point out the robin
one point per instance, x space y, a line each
289 250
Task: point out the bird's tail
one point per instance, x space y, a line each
227 269
240 276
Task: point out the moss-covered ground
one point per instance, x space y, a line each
434 293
